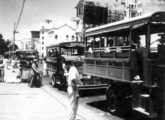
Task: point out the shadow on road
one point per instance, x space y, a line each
60 87
101 105
93 92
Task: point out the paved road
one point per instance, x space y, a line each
19 102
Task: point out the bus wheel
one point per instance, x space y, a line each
54 82
111 99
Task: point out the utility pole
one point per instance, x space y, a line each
14 31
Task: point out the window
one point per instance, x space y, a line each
42 48
42 37
72 37
42 42
56 36
67 37
42 32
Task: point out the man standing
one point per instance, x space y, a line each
45 71
35 74
2 71
73 80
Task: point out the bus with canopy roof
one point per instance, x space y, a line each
60 53
130 56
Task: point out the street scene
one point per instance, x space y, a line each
82 60
20 102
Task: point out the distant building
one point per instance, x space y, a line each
117 10
44 40
24 43
140 7
55 35
61 34
91 13
35 35
148 6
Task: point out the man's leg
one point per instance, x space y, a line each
73 107
32 81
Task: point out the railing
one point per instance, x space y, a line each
109 52
51 59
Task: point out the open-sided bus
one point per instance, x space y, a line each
130 56
62 52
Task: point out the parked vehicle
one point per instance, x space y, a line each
25 57
130 56
61 53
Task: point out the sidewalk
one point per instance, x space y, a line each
10 76
19 102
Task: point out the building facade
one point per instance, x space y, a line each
117 10
55 35
24 43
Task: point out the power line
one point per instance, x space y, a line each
15 26
20 15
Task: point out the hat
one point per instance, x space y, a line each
35 60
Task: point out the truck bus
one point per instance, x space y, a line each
63 52
25 58
68 52
130 56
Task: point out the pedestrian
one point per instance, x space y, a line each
45 72
2 71
73 80
13 64
35 73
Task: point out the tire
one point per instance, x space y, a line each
111 99
54 81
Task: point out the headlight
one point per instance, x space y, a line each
137 77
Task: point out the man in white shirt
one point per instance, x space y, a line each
73 80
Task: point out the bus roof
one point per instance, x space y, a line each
25 50
125 24
69 44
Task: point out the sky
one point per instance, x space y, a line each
34 13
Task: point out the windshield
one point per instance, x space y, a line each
72 51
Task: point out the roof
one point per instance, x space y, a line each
61 27
124 24
69 44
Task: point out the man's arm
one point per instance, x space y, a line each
35 68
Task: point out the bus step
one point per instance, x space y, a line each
143 111
144 101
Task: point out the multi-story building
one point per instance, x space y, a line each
24 43
140 7
35 35
50 35
148 6
92 13
117 10
62 34
44 40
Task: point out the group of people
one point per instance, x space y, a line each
73 79
8 64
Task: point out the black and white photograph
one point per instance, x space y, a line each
82 59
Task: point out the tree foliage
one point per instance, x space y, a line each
6 45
